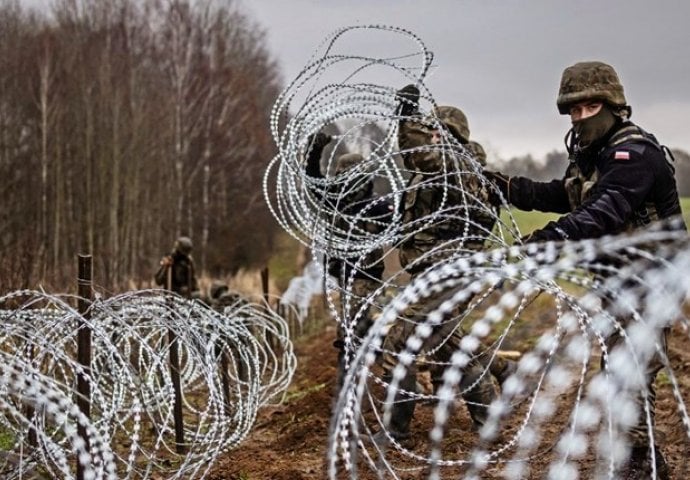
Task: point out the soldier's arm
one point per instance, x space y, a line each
315 146
161 275
527 194
411 133
624 184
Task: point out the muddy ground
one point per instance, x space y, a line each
288 441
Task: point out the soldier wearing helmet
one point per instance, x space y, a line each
176 271
435 150
619 178
354 198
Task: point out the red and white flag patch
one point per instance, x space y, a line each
620 155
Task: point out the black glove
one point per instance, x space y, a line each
547 233
535 236
502 183
315 146
408 100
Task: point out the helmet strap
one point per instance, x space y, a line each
570 142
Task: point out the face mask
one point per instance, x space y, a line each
591 129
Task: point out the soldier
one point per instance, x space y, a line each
176 271
357 200
459 229
486 219
619 178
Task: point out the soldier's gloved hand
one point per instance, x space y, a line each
408 100
318 141
535 236
501 181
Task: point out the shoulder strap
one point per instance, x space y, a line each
633 134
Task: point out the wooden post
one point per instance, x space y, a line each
272 340
177 387
264 284
85 292
31 411
174 360
225 379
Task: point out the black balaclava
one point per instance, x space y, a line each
587 131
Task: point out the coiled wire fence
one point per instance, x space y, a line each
172 383
632 285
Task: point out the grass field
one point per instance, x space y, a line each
529 221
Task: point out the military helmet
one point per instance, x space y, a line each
183 245
589 81
455 120
477 151
347 161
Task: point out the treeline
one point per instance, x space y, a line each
124 124
553 165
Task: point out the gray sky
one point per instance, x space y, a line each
501 61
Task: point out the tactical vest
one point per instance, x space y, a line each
578 185
443 183
461 214
372 264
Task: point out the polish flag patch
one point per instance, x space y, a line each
621 155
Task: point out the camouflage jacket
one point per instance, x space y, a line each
372 213
446 205
179 276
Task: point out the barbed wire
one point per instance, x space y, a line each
628 286
232 362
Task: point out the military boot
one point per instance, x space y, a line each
402 412
502 370
639 466
478 399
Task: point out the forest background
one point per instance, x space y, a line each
126 124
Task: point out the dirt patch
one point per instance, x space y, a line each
289 440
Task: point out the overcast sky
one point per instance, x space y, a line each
501 61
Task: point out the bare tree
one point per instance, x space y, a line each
133 122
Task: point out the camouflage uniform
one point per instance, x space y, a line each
375 214
437 184
487 219
176 270
619 178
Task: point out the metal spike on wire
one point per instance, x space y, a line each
131 430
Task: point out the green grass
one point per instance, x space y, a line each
685 206
530 221
7 439
294 395
283 263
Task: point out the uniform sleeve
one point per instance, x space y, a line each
526 194
413 134
313 168
625 182
161 275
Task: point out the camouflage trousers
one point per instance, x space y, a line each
476 385
359 293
